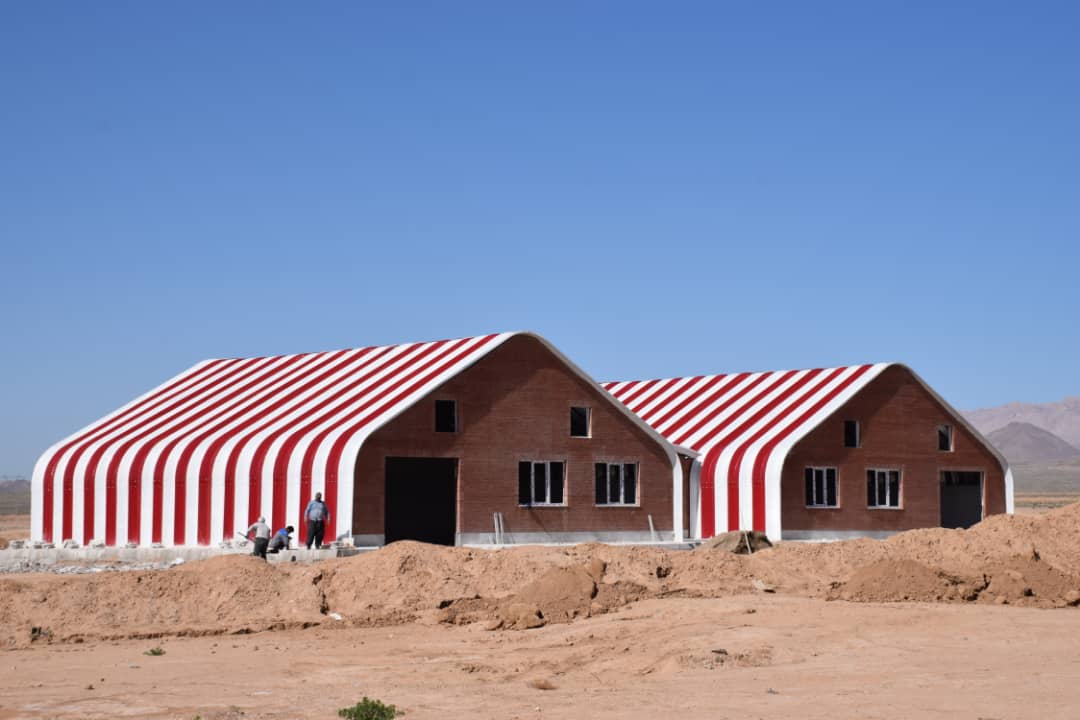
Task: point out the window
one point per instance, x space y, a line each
944 438
851 433
580 422
541 483
883 488
616 483
445 416
821 487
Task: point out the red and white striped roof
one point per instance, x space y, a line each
203 455
743 426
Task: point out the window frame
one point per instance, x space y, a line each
858 434
453 403
588 420
622 464
899 487
825 488
547 484
950 431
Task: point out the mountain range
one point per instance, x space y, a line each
1041 442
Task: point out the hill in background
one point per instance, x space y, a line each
1060 418
15 497
1041 442
1022 442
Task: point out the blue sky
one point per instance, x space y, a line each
660 189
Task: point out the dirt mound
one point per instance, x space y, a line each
896 580
560 595
233 593
1018 581
3 542
1029 560
741 543
1027 581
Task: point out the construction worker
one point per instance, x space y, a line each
316 515
281 539
262 537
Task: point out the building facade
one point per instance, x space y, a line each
440 441
823 453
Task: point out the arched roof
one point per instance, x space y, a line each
744 424
202 455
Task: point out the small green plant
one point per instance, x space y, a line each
154 652
368 709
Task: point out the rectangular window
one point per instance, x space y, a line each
616 483
851 433
944 438
883 488
445 416
580 422
821 491
541 482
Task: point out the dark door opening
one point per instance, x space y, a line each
421 499
961 498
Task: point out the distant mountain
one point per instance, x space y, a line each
14 497
1022 442
19 486
1060 418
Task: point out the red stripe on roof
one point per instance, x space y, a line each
97 431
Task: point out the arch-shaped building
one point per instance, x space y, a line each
823 453
459 429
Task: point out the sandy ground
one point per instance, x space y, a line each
761 656
15 527
1043 502
592 631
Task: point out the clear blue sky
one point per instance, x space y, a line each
660 189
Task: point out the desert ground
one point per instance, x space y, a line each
937 623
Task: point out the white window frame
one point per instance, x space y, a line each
547 483
899 488
824 480
622 483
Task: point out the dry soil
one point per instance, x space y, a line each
932 623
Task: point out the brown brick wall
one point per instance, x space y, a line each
513 405
898 422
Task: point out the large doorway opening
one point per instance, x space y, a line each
421 499
961 498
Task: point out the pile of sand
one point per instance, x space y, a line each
1029 560
741 542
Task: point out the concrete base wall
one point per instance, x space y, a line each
830 535
145 555
566 538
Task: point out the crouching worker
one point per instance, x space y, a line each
262 537
281 539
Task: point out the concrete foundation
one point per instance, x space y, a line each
833 535
154 556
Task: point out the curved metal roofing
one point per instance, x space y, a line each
206 453
203 455
743 426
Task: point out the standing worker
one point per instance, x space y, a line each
262 537
317 515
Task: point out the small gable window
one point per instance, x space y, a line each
445 416
851 433
945 438
580 422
